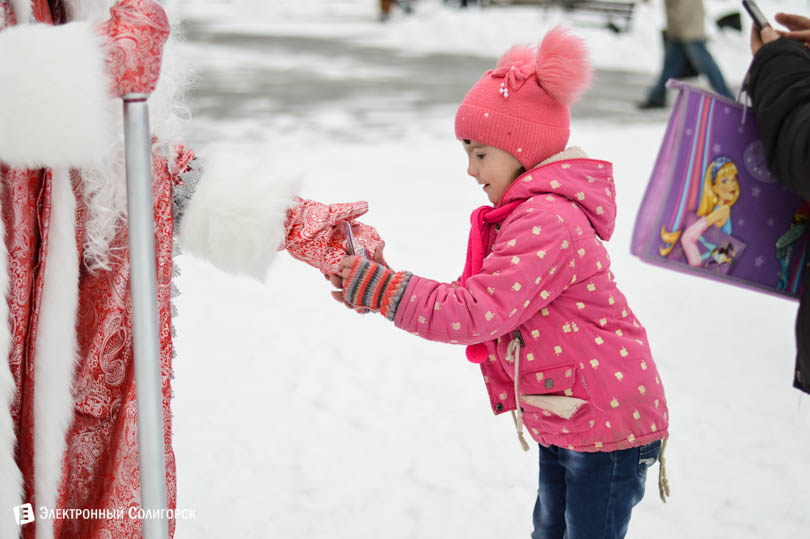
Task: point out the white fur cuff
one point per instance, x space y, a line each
236 217
54 97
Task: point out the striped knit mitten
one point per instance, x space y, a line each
375 286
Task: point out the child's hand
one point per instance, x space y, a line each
338 279
344 269
378 257
337 282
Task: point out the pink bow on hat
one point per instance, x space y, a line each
515 74
530 121
136 33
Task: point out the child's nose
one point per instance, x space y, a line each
471 170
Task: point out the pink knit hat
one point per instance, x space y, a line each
522 105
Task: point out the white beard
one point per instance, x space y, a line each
83 10
104 189
104 192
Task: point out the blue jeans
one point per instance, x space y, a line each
675 57
590 495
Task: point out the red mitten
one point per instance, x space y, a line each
313 233
365 237
136 32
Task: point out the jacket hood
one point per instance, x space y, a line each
588 183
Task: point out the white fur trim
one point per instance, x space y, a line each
11 486
22 11
82 10
54 102
572 152
236 217
55 352
11 489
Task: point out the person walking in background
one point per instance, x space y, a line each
779 85
387 5
385 9
685 41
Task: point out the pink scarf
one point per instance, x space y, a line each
477 246
478 242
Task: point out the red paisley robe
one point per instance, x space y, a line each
101 462
100 468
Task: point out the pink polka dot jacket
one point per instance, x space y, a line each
545 294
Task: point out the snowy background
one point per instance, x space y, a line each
297 418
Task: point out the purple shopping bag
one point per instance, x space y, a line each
712 208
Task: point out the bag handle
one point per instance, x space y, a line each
740 94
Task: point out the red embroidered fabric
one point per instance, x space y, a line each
101 465
312 234
21 194
41 10
6 15
101 462
100 468
136 32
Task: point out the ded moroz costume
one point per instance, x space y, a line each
68 430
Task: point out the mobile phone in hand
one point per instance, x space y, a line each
350 246
753 10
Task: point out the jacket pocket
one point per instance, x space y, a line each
647 456
551 401
559 405
557 378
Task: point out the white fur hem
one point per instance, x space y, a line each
572 152
22 10
236 217
54 96
55 352
11 485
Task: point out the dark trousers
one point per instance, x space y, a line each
588 495
676 55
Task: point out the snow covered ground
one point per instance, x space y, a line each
297 418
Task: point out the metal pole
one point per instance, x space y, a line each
143 291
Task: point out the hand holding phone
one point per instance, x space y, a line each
756 15
352 250
798 27
350 245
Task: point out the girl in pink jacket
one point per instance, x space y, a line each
537 304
